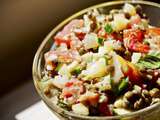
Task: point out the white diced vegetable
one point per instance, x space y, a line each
136 57
72 66
102 50
90 41
118 74
80 109
121 111
105 81
97 69
87 23
128 8
87 57
100 18
119 23
64 71
90 97
60 81
119 103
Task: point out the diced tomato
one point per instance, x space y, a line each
104 109
139 47
135 39
130 70
80 35
73 87
59 38
133 35
69 84
153 31
93 100
66 93
89 98
58 41
117 36
101 33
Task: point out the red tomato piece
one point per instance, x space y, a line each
73 87
58 41
153 31
117 36
60 37
80 35
101 33
139 47
104 109
133 35
135 38
129 70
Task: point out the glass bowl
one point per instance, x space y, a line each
150 113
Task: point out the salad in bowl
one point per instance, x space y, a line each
104 64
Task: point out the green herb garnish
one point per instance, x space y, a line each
100 41
108 28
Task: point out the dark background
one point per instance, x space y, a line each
23 25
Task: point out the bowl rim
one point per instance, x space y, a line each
36 62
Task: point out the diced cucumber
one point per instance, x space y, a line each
123 85
58 66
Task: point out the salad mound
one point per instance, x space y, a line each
104 64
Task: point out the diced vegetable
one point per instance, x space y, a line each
100 41
89 97
133 35
121 111
72 88
90 41
104 109
123 85
135 20
131 71
133 41
119 103
87 57
119 23
97 69
60 81
80 35
58 67
61 37
71 67
151 61
59 41
153 31
136 57
104 84
108 29
80 109
102 33
104 50
128 8
64 71
118 74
